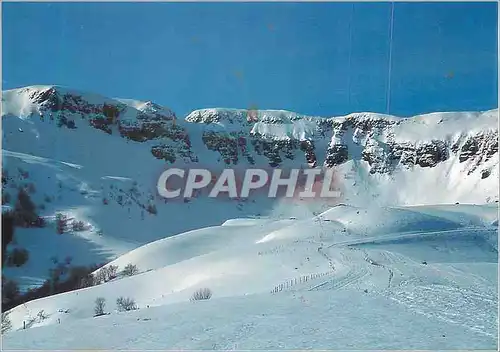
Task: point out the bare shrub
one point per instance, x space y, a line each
31 322
201 294
42 315
61 223
78 226
112 271
71 124
130 270
62 121
125 304
25 209
6 323
100 303
105 274
99 277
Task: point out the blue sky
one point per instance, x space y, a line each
292 56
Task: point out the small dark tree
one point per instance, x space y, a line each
78 226
130 270
105 274
71 124
63 121
25 209
110 272
125 304
201 294
100 303
61 223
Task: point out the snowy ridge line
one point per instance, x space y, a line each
300 280
410 235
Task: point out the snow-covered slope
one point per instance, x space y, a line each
315 320
425 270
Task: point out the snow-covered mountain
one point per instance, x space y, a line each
453 154
94 161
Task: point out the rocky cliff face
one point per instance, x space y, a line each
133 120
371 138
384 151
274 137
66 107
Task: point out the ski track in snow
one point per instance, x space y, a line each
457 306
